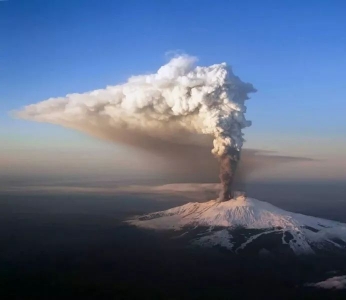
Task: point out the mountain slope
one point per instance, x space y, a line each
238 223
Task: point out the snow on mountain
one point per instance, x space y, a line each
302 234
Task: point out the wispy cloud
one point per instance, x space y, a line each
188 190
337 282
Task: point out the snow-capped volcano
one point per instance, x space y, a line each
241 223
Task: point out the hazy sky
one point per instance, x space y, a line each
293 52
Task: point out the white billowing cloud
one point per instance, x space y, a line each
337 282
177 102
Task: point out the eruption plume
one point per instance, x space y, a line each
175 104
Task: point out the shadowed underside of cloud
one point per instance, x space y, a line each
337 282
192 155
195 159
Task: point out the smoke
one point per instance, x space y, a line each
178 103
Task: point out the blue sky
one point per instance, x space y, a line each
292 51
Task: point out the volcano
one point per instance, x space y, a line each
246 225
